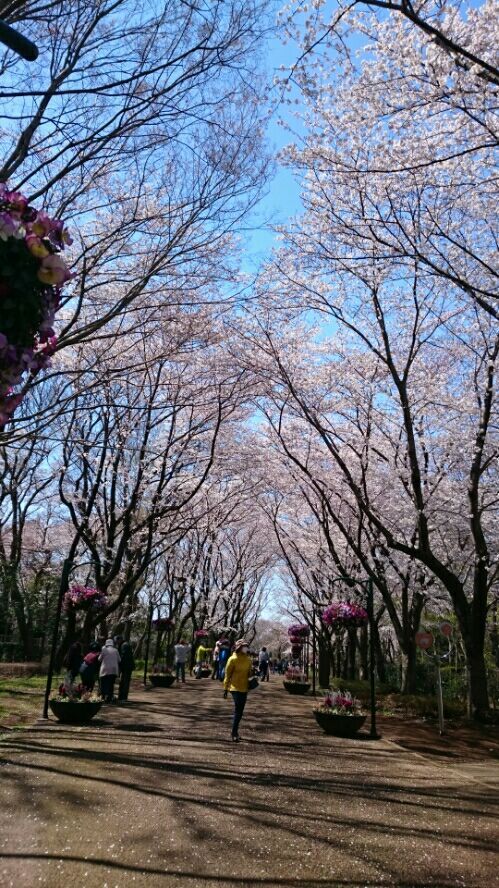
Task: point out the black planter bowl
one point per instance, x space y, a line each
297 687
161 681
339 725
74 713
205 673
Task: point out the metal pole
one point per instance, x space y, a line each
372 662
314 650
63 588
148 641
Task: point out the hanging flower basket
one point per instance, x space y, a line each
298 630
343 615
31 276
84 598
163 623
200 634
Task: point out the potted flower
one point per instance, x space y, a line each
295 682
75 705
340 714
161 676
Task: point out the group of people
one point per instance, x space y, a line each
102 664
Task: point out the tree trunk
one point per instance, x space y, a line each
408 657
477 678
324 663
379 656
364 649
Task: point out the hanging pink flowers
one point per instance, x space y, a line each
163 623
200 634
298 630
343 615
84 598
31 276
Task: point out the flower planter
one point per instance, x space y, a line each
297 687
74 713
205 673
161 681
339 725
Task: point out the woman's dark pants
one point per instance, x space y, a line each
239 703
124 685
107 687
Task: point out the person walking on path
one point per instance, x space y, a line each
237 673
109 669
90 667
264 664
182 650
73 661
127 665
223 657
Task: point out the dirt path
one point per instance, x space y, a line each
155 795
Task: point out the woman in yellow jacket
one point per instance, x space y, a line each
237 674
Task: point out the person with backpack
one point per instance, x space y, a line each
109 670
237 676
90 667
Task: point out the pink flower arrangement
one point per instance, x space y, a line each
84 598
201 633
31 276
298 631
340 703
342 615
294 674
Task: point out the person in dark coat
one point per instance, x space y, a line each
73 660
89 669
127 665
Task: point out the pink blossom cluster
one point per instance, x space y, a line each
42 239
201 633
342 615
84 598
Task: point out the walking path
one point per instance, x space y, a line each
157 795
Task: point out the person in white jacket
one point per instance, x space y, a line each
109 670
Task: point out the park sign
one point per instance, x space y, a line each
424 640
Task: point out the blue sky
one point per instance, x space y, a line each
282 198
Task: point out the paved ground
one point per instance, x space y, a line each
155 795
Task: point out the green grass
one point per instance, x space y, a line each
391 702
21 700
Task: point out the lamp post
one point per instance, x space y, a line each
67 567
368 587
19 44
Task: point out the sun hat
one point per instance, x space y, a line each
109 643
240 644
